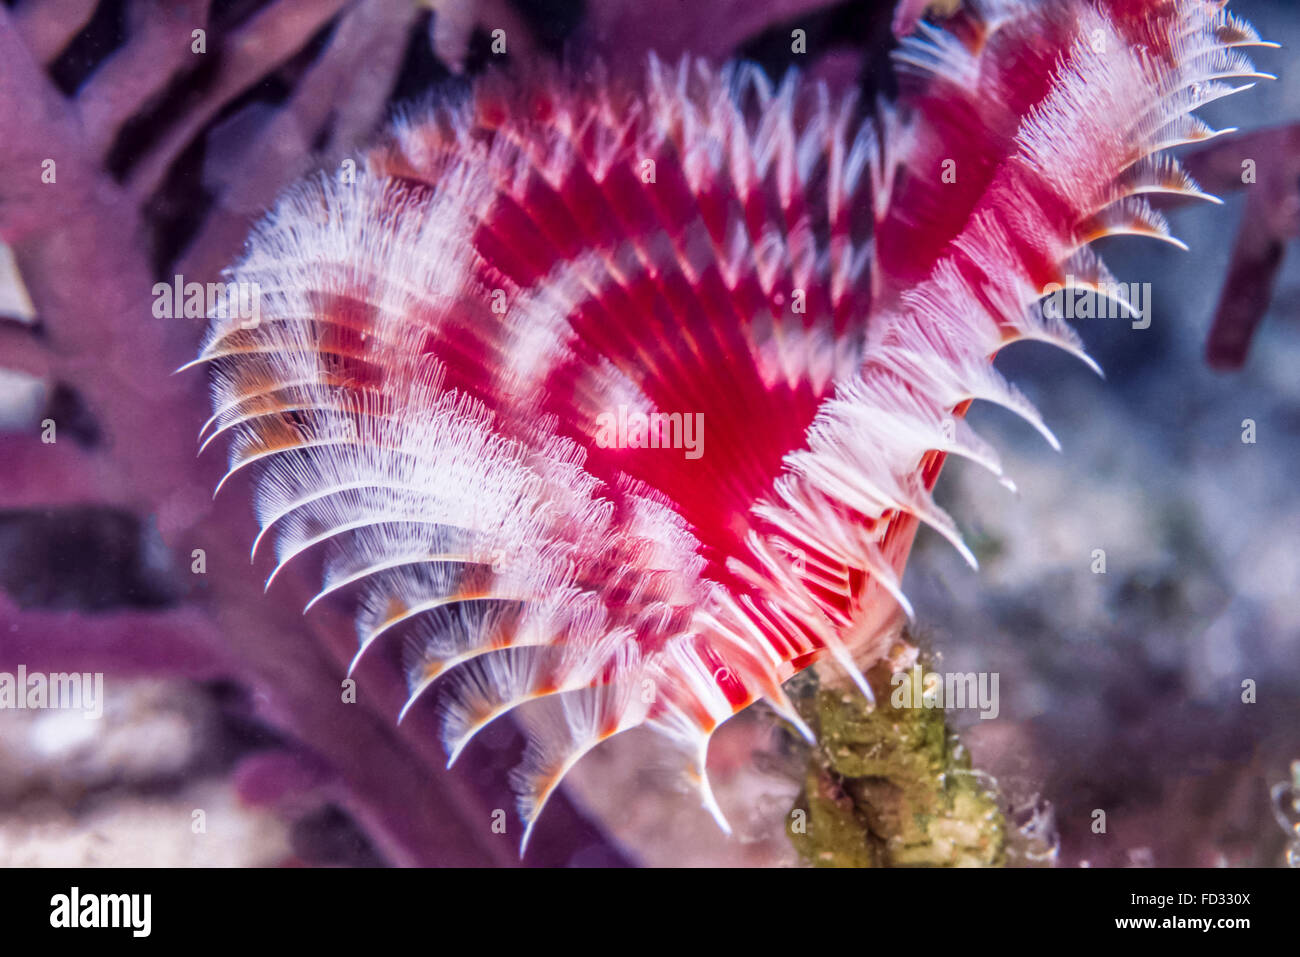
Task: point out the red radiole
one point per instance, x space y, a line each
445 338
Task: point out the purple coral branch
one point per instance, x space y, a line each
159 49
81 246
175 642
268 39
1270 220
46 26
344 91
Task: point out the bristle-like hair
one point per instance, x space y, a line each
436 394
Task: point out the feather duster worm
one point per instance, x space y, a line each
472 362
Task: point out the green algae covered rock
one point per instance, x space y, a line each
890 786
